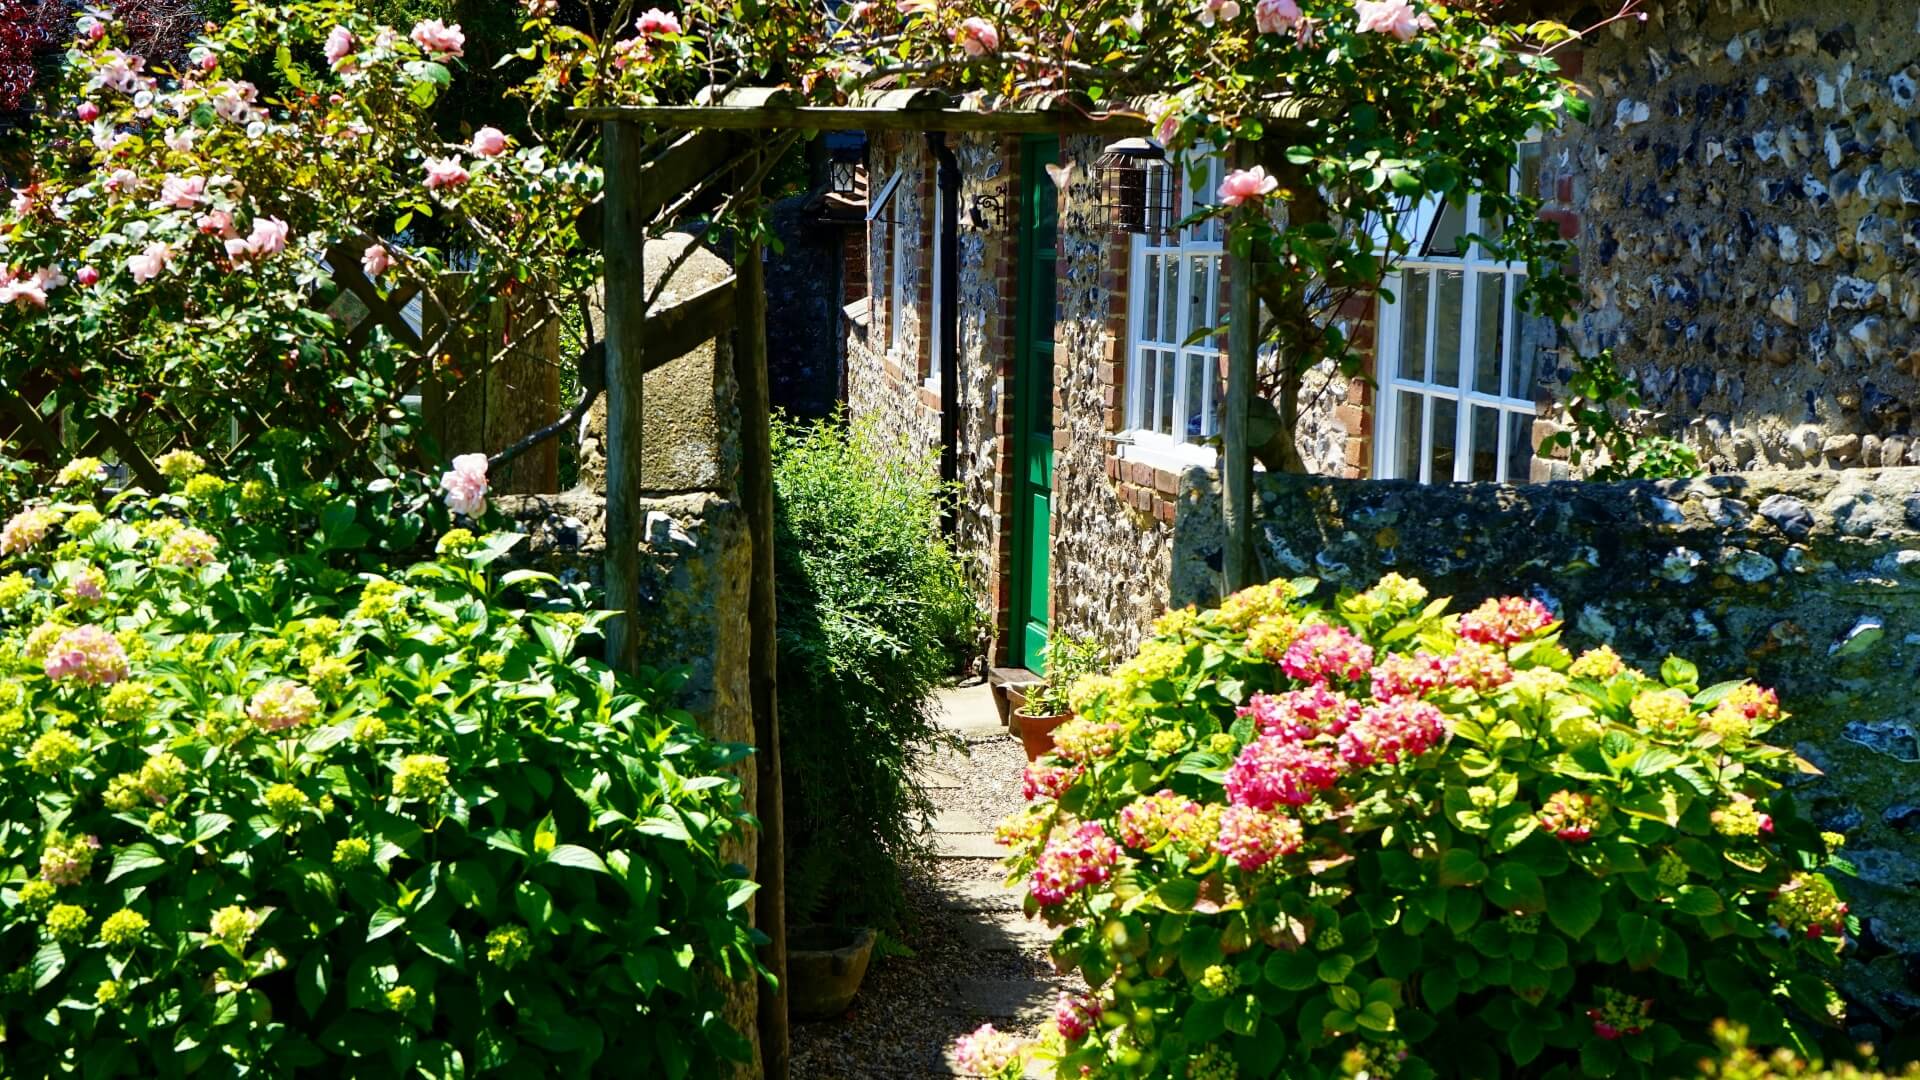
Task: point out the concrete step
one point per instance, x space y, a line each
968 710
1007 933
981 896
967 846
940 780
1001 999
959 821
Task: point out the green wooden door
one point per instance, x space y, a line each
1033 399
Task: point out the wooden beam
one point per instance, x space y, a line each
678 330
838 118
626 325
1243 341
681 167
756 494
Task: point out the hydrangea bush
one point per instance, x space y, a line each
1371 838
265 807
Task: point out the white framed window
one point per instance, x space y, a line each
1173 379
895 253
1458 360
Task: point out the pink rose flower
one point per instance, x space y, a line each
150 263
1396 17
438 38
234 102
121 181
92 29
88 112
466 485
216 223
1212 11
268 238
87 275
655 21
182 192
1242 185
180 139
339 46
375 261
977 36
445 173
1275 16
26 292
489 142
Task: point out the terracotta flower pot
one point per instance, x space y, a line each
1036 732
825 966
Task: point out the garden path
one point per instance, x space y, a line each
977 958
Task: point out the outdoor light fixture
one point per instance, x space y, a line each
843 170
1136 187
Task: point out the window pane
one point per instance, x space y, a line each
1170 306
1486 444
1414 287
1196 426
1489 331
1446 416
1406 441
1519 448
1533 356
1448 228
1164 414
1199 294
1446 324
1529 169
1151 323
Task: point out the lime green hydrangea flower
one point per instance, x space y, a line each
54 752
36 896
233 925
126 701
509 946
1597 663
352 853
68 923
1665 712
123 928
1212 1063
369 729
285 802
402 999
14 589
83 523
111 993
81 472
1670 870
456 542
204 488
420 778
180 464
380 600
1216 982
256 496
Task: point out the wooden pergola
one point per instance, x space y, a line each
645 182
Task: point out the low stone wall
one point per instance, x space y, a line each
1806 581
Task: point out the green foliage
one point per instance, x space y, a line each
1316 841
1602 430
264 814
1068 659
1737 1061
871 608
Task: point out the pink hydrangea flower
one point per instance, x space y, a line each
1075 1014
1407 675
152 261
87 654
1147 821
988 1052
439 39
1506 620
1387 733
1474 666
67 863
1072 861
1569 815
489 142
1301 714
1050 781
1396 17
465 485
25 530
1274 772
654 21
1275 16
1245 185
977 36
376 260
445 173
1212 11
340 45
281 705
631 50
1250 838
1323 652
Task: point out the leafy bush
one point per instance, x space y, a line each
872 606
1068 659
1737 1061
262 814
1375 838
1615 447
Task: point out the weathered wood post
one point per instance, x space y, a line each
756 492
1243 341
626 300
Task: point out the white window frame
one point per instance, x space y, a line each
936 326
1507 404
1144 439
895 256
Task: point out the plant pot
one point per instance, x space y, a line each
1036 732
825 965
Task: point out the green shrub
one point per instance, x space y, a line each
872 606
1737 1061
1068 659
260 815
1374 838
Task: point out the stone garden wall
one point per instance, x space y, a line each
1805 581
1748 201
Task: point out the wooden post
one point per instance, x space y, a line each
626 302
1243 341
756 492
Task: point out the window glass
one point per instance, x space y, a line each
1490 318
1448 311
1415 286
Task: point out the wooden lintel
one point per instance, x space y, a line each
683 166
837 118
676 331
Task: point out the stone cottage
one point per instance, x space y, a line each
1746 204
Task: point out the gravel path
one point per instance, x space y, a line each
977 958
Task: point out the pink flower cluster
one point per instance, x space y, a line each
1570 816
988 1052
24 530
639 47
1321 652
1075 1014
1072 861
28 290
1250 838
1276 16
122 72
438 39
1302 714
68 862
1276 771
1151 819
445 173
977 37
1051 781
281 705
465 485
152 261
1396 17
340 46
1506 620
1408 675
87 654
1477 667
1392 731
269 238
1212 11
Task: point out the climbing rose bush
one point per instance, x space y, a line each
268 806
1372 838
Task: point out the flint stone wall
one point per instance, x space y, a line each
1805 581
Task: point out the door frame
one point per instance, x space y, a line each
1034 152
